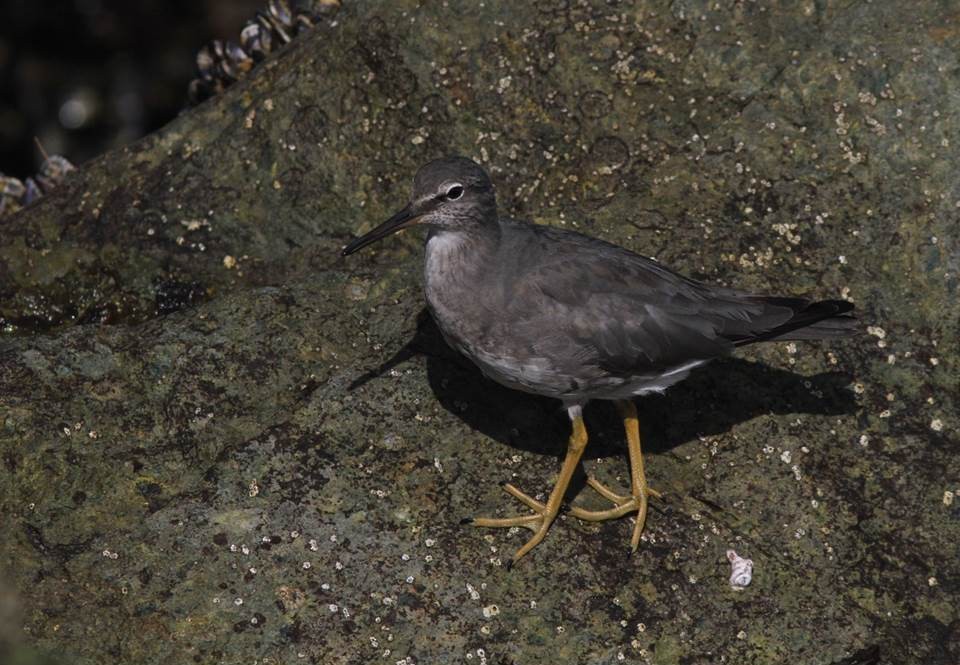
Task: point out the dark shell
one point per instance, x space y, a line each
221 63
206 63
304 22
198 90
223 60
281 12
8 206
56 167
202 89
281 32
16 193
242 63
11 188
256 40
326 8
32 191
219 49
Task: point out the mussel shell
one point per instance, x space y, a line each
206 62
256 40
198 90
242 62
325 7
11 187
8 206
304 22
227 71
280 10
31 193
56 167
221 63
202 89
275 27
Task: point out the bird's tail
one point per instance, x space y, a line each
824 319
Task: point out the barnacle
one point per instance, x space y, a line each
11 187
741 570
11 193
16 193
221 63
52 172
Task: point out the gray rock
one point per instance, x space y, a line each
236 471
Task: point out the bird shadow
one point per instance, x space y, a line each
711 401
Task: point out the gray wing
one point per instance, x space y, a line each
596 304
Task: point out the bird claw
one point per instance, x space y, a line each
623 504
618 499
539 522
529 521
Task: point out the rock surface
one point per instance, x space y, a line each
222 443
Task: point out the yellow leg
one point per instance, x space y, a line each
543 514
637 500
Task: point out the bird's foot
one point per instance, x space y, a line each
539 522
623 504
543 513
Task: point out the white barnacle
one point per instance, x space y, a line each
742 570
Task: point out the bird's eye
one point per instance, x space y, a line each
455 192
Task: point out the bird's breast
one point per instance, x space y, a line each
456 290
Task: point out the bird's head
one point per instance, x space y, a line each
452 193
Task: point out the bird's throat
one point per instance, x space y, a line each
457 266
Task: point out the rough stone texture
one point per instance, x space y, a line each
228 474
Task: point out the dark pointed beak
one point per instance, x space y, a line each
403 219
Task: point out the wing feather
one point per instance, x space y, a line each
627 314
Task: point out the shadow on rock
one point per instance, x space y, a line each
714 399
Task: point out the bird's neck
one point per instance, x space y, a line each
460 274
469 247
459 258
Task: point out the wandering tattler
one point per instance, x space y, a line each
557 313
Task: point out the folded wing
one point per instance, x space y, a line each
630 315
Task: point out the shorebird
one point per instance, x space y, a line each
557 313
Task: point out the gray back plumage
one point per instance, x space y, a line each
600 311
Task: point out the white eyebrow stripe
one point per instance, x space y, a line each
422 200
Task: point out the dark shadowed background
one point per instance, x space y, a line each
84 76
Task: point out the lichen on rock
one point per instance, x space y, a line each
269 460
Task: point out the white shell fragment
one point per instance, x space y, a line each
742 570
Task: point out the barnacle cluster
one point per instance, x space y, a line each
16 193
221 63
